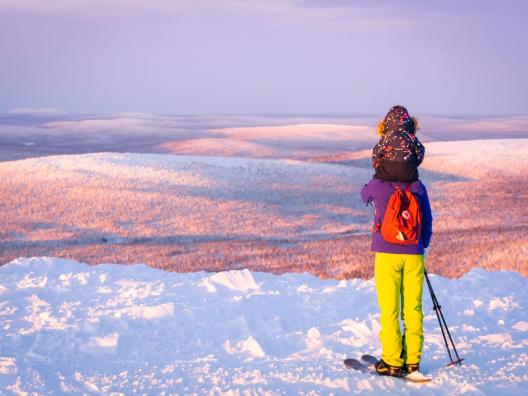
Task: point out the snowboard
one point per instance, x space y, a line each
367 366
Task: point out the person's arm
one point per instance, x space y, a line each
366 193
427 220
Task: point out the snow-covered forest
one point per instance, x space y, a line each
214 194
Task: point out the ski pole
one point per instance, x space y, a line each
443 325
442 322
458 361
436 308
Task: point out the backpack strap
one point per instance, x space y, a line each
395 186
408 189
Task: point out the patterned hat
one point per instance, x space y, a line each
398 118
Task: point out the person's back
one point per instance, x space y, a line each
398 153
378 192
399 268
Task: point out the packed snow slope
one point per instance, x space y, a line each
70 328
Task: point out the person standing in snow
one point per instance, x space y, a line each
399 269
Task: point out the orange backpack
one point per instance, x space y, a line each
402 223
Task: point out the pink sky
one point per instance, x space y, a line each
274 56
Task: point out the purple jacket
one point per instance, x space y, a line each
379 191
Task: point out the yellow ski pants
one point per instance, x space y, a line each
399 281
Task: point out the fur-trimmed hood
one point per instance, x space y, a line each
398 119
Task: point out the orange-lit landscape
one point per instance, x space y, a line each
269 194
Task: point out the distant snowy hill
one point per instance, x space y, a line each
70 328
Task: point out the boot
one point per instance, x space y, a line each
383 368
411 368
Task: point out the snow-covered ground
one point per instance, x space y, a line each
156 208
272 193
70 328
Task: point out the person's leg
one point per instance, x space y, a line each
388 273
412 315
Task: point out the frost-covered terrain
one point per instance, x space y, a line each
70 328
196 212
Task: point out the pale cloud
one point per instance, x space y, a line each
355 14
43 111
101 7
142 123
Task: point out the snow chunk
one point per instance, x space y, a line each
30 281
505 304
109 341
40 317
521 326
313 338
81 278
151 312
503 340
7 365
106 344
364 386
249 347
304 289
469 329
241 281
